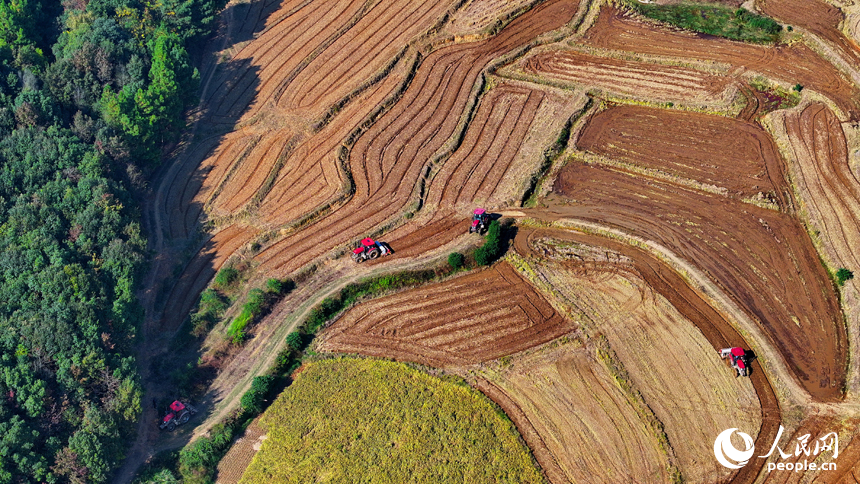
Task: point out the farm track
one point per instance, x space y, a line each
302 87
791 64
746 249
734 155
453 323
714 326
628 78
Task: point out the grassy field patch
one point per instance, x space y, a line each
362 420
735 24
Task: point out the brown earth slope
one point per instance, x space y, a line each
469 319
743 248
734 155
791 64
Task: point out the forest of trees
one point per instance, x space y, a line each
90 93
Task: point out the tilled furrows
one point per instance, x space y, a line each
473 318
764 260
278 54
791 64
818 16
716 329
817 140
736 155
387 161
628 78
355 56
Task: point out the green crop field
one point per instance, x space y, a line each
354 420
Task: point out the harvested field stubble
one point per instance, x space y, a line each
592 256
236 460
470 319
501 150
358 54
790 64
817 16
641 80
743 248
592 431
735 155
478 16
653 342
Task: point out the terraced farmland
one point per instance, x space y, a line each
683 193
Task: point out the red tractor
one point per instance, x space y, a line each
739 360
480 221
370 249
179 414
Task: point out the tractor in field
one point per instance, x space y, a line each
480 221
739 360
179 414
370 249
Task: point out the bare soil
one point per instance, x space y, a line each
734 155
573 402
688 302
790 64
453 323
640 80
743 248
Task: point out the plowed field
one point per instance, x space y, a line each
478 16
791 64
733 155
829 191
388 160
589 257
743 248
630 78
817 16
470 319
653 341
237 459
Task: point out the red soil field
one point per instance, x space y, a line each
473 318
311 176
763 259
279 54
510 119
665 281
794 63
817 16
727 153
816 427
818 143
387 161
629 78
359 53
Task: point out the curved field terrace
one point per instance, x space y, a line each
670 194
